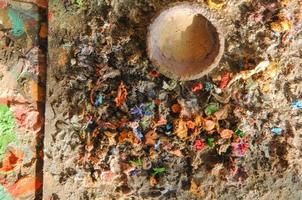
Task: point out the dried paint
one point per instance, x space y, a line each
24 186
17 23
4 195
7 124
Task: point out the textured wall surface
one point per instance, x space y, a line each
115 128
118 129
22 81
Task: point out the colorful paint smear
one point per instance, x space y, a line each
7 124
17 23
4 195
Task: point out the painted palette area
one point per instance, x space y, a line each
22 79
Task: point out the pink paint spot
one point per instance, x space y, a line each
27 118
239 149
3 4
108 176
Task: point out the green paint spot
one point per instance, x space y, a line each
80 2
158 170
137 162
210 142
240 133
211 109
17 23
7 125
4 195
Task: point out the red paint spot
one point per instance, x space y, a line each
224 80
154 74
196 87
199 145
157 101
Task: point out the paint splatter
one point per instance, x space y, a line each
17 23
4 195
7 125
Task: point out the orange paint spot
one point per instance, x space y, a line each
11 159
43 30
37 92
24 186
127 136
176 108
190 124
121 95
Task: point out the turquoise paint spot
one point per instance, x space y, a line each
4 195
276 131
296 105
7 124
17 23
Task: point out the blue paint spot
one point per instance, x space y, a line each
169 127
99 100
276 131
133 173
208 86
17 23
138 134
297 105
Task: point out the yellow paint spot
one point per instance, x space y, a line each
271 70
282 24
216 4
266 87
